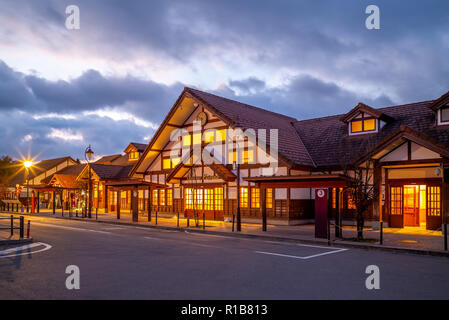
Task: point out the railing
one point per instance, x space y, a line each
11 225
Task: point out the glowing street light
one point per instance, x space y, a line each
28 164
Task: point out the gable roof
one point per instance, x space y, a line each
139 146
441 101
106 172
108 159
237 115
74 170
361 107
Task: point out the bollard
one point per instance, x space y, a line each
233 219
381 232
28 230
156 218
21 227
204 222
12 226
177 223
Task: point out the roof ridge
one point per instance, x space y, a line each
245 104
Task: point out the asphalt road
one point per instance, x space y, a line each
125 262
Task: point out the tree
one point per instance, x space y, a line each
6 169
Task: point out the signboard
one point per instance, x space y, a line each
321 208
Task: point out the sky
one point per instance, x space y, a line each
113 80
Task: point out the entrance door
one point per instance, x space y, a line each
411 206
396 207
433 214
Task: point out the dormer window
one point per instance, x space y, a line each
363 125
363 119
443 115
134 155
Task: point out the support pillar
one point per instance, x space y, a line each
149 203
263 208
106 200
38 202
54 202
135 204
118 204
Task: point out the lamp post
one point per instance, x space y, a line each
27 164
236 166
88 156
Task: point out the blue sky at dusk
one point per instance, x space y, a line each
113 80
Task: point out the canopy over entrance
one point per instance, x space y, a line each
303 181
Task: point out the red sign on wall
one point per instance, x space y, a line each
321 208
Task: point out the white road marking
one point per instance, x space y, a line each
25 247
208 235
202 245
113 228
70 228
301 258
152 238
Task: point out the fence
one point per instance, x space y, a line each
11 225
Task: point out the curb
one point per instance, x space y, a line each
18 241
323 242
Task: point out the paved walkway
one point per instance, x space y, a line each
412 238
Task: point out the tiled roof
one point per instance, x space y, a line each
111 171
108 159
139 146
329 144
246 116
74 170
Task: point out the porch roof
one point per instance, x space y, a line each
301 181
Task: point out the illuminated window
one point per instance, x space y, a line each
197 138
248 156
232 157
255 198
208 199
133 155
155 198
169 197
433 201
396 200
166 163
244 197
269 198
175 162
219 199
187 140
220 135
209 136
189 198
198 199
162 197
363 125
351 203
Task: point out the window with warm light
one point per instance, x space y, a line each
208 199
134 155
169 197
209 136
244 197
198 199
363 125
189 198
220 135
155 197
162 197
197 139
248 156
255 198
218 199
187 140
166 163
269 198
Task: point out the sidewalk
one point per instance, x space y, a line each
7 239
413 240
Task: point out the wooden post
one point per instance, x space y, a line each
149 203
105 198
135 204
38 202
118 204
263 208
54 202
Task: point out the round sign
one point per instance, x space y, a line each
320 193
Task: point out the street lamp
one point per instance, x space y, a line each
88 156
27 164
